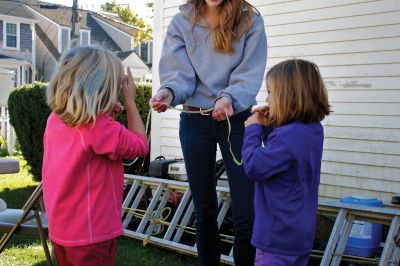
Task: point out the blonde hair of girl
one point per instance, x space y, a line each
86 84
298 92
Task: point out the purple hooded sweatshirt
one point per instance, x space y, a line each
286 171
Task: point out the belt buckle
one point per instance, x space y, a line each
202 113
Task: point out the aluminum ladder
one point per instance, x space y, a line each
161 191
171 238
345 216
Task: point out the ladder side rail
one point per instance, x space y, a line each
390 246
395 259
344 236
337 228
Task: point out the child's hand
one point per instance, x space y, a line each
118 109
128 87
263 115
221 106
253 119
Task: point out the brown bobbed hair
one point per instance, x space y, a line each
299 92
230 27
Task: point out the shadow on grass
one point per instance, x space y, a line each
130 252
16 198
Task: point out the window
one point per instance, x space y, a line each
144 52
11 32
15 78
65 38
85 37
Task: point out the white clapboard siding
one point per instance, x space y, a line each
356 44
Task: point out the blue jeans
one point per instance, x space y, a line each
199 135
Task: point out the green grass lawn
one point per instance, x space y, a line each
15 189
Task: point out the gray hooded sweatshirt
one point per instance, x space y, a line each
198 74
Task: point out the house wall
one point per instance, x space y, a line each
45 62
49 27
123 40
356 44
25 38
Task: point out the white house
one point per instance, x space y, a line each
356 44
53 29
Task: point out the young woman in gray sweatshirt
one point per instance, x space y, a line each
214 56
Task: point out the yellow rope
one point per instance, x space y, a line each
203 112
229 141
139 213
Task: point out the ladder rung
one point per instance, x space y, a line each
151 207
134 205
177 215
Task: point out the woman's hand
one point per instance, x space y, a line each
221 106
161 100
128 88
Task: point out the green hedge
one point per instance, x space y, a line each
28 115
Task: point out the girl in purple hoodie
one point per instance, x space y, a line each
286 164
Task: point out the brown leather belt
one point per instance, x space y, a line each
197 109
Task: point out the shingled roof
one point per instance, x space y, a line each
58 13
15 9
128 29
62 16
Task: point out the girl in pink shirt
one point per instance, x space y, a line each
83 151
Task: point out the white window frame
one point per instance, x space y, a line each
5 22
149 52
80 36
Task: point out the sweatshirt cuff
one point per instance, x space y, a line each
254 128
174 94
226 95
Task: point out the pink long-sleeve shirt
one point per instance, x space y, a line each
83 178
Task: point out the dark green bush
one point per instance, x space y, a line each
28 115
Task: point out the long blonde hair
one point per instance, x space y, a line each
298 92
230 27
85 85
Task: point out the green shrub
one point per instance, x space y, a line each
28 115
17 148
143 96
3 147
